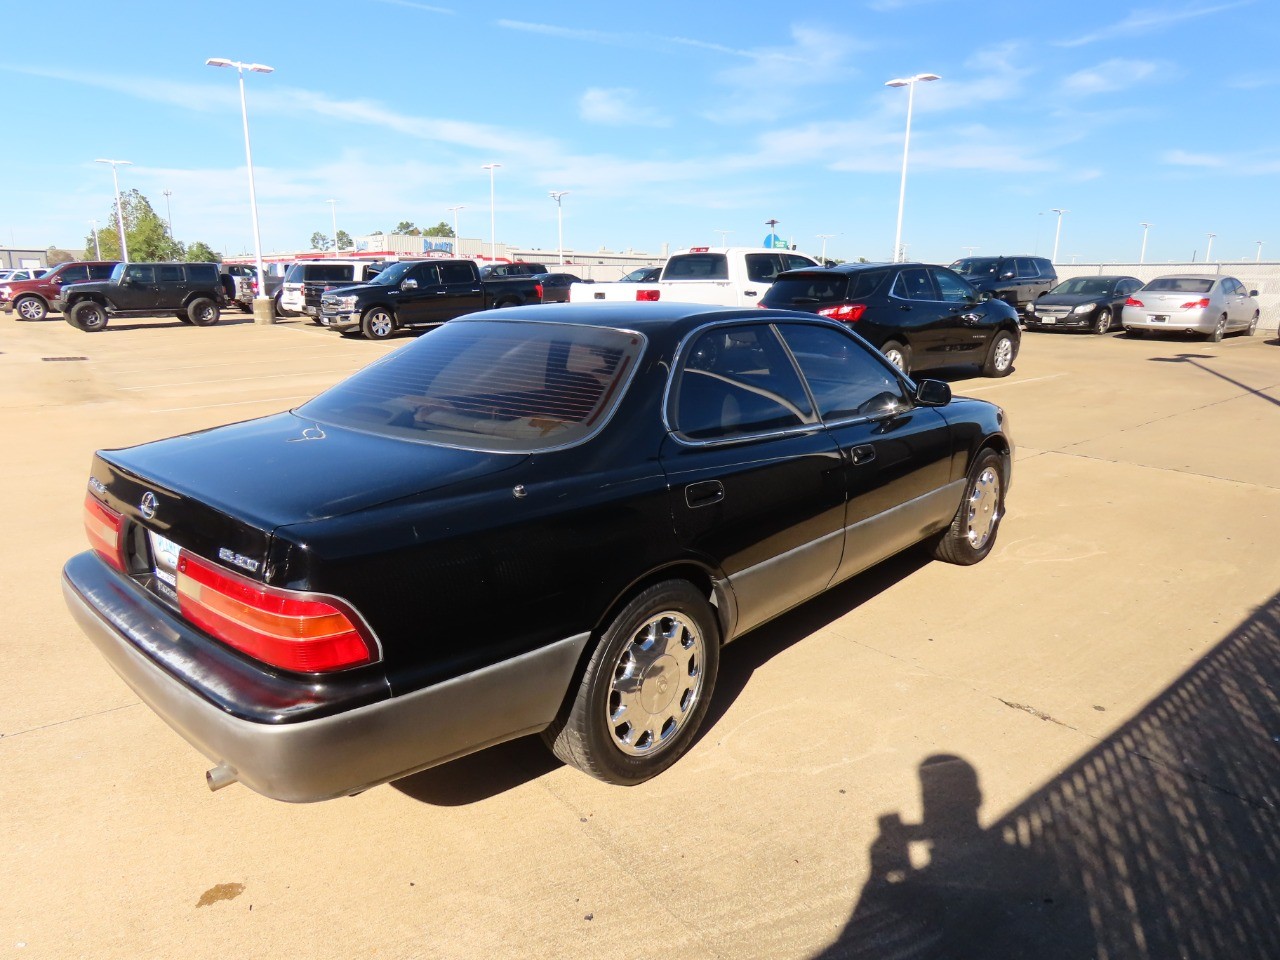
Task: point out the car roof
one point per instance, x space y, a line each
1189 276
650 319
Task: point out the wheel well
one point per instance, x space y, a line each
701 578
97 298
192 298
1000 445
32 295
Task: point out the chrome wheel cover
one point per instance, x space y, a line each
1103 323
1253 325
897 359
1220 330
206 315
1004 354
30 309
93 317
380 324
983 508
657 682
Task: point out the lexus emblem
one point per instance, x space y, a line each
148 505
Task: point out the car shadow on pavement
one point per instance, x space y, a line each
1193 358
1162 841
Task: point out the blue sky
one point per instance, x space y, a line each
667 123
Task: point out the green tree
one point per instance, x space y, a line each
146 233
441 229
320 242
406 228
344 241
55 256
201 252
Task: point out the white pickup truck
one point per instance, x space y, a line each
727 276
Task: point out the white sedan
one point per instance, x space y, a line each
1209 304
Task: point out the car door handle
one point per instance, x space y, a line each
863 454
703 494
905 306
750 293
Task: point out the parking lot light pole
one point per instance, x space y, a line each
556 195
1057 234
1209 249
1142 257
457 239
262 307
333 211
493 233
824 237
1258 256
97 247
910 84
124 247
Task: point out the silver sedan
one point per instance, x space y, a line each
1205 303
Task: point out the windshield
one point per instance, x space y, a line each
1084 286
976 266
515 387
117 272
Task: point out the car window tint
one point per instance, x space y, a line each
426 274
816 287
140 273
697 266
844 377
1180 285
764 267
456 273
170 273
488 385
913 283
951 287
794 261
206 273
737 381
1025 268
76 274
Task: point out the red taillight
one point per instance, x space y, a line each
284 628
648 296
253 285
845 312
538 287
1133 302
104 527
1201 304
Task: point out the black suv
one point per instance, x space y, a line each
1018 281
918 315
193 292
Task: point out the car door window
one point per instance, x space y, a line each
737 381
140 273
845 379
1026 268
456 273
913 283
77 274
951 286
764 267
427 275
170 273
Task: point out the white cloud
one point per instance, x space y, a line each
1182 158
1117 74
642 40
426 8
1149 21
617 106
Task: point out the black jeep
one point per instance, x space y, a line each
192 292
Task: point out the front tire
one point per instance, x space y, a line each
972 533
899 354
377 324
1253 326
31 308
203 312
645 690
1102 322
999 362
88 316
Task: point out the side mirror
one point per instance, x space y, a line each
126 281
933 393
1007 275
409 284
984 296
1253 293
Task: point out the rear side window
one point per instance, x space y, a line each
765 267
697 266
737 381
456 273
483 385
204 273
171 273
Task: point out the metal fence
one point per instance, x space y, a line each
1263 277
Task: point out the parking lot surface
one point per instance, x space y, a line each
1068 750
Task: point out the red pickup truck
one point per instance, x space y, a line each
31 298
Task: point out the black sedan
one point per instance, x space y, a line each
919 315
539 519
1082 303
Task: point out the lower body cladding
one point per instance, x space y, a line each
329 756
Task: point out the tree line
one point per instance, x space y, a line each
405 228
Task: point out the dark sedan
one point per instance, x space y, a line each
555 286
539 519
919 315
1082 303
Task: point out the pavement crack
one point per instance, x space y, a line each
59 723
1038 714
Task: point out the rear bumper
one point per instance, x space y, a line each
294 754
1135 319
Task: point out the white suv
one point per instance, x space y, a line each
307 281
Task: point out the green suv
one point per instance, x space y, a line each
192 292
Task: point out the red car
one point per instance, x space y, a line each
31 298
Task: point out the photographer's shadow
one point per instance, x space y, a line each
946 888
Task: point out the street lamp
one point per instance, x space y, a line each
968 251
97 247
1142 257
333 212
824 237
493 233
556 195
910 84
1258 256
1209 249
169 212
1057 234
124 247
262 312
457 239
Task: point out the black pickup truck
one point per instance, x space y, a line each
420 293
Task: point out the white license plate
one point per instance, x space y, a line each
1048 320
1159 318
164 553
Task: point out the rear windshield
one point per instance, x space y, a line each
697 266
319 273
820 286
1180 284
976 266
489 385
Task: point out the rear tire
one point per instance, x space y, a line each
88 316
1219 330
645 690
898 354
972 533
203 312
999 362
